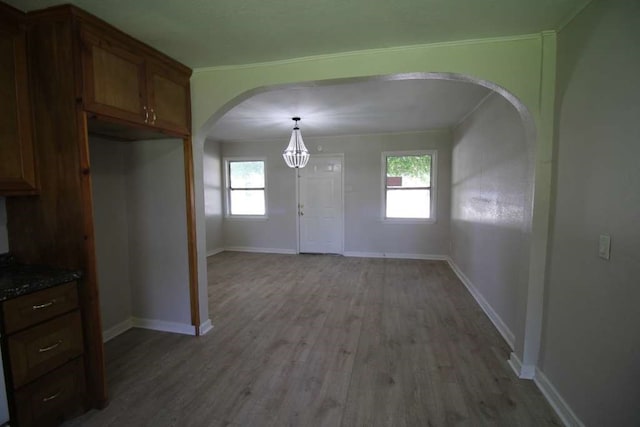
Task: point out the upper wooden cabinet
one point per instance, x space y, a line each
114 78
123 81
17 163
168 94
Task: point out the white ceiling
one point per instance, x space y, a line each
352 108
205 33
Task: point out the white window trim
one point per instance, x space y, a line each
227 203
433 192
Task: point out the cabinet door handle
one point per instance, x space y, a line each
53 396
51 347
146 114
45 305
154 117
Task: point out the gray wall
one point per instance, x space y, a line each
490 213
591 340
156 216
4 238
141 235
109 185
213 195
365 233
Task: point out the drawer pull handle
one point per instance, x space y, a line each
51 347
53 396
45 305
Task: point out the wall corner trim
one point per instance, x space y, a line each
205 327
155 325
564 412
114 331
215 251
497 321
525 372
161 325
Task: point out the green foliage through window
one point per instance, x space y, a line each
407 184
417 167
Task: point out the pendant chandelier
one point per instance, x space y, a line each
296 154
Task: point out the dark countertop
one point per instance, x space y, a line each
21 279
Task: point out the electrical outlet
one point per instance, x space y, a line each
604 246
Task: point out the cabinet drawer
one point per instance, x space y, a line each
52 398
40 349
27 310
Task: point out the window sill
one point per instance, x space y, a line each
246 218
408 221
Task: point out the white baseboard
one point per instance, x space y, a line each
156 325
428 257
161 325
261 250
213 252
497 321
114 331
564 412
525 372
205 327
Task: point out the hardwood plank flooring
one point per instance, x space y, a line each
317 340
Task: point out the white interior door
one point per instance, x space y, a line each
320 206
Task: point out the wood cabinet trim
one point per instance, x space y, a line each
194 297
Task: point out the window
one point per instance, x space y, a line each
246 189
409 185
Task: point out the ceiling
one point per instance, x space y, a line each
206 33
364 107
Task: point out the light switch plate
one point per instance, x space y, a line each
604 247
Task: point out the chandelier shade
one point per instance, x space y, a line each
296 154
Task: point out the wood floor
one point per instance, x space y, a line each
315 340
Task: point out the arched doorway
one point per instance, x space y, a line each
529 308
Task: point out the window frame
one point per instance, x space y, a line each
227 188
432 193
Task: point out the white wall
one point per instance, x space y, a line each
156 216
364 230
213 195
4 238
491 189
591 336
109 185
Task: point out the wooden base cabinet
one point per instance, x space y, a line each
44 363
53 398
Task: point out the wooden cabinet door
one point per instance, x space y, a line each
113 79
17 163
169 98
